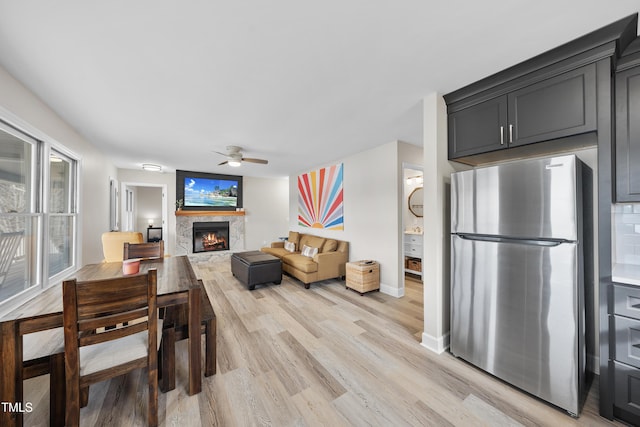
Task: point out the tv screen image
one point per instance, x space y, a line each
201 192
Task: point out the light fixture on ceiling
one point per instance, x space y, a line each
151 167
234 159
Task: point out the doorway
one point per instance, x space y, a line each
412 224
144 209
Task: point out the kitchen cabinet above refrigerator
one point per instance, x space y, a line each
554 108
545 105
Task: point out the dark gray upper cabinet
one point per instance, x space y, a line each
561 106
478 129
553 108
628 130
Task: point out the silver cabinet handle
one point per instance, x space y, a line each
501 135
510 133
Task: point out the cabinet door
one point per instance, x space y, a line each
627 388
628 135
562 106
478 129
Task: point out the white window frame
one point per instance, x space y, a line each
43 145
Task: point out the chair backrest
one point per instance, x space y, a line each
90 308
113 242
91 305
150 250
9 243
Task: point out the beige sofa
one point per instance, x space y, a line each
328 263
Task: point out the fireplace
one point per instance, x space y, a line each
210 236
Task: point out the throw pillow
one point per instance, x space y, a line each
294 237
330 246
290 246
308 251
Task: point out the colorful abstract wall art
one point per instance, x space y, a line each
320 202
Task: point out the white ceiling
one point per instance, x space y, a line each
299 83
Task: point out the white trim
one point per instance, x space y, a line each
392 290
436 344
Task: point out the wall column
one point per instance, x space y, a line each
437 182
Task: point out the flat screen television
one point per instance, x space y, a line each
202 191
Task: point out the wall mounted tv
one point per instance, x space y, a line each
202 191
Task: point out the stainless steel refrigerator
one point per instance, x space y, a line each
517 293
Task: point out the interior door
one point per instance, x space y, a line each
128 207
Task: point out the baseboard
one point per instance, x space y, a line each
438 345
391 290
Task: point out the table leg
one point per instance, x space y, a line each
195 357
10 374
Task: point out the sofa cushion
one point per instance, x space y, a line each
309 240
294 237
308 251
277 252
330 246
290 246
302 263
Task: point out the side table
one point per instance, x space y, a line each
363 276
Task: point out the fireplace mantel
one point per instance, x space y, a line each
209 213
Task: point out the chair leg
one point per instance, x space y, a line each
57 390
210 345
152 412
168 360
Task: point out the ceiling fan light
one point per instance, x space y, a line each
234 163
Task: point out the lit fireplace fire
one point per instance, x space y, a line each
211 242
211 236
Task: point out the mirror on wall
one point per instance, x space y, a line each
416 201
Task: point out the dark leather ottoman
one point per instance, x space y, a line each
255 268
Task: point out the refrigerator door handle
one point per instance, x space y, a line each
496 239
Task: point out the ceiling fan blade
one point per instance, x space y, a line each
223 163
217 152
261 161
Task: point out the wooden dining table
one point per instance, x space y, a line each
177 284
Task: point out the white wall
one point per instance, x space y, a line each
266 205
149 206
373 190
27 110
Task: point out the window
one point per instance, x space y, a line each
37 213
61 212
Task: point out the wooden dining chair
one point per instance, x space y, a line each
176 328
91 356
150 250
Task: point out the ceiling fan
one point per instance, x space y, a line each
234 157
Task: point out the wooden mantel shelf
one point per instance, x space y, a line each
209 213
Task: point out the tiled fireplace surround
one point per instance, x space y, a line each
184 229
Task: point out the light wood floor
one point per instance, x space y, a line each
319 357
